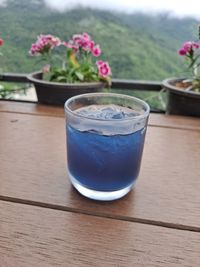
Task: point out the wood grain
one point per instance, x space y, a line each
173 121
31 108
33 236
160 120
33 169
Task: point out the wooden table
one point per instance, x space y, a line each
45 222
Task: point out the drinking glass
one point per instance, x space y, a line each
105 134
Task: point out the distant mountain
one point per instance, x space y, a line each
137 46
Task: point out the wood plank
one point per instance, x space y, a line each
33 236
33 168
31 108
173 121
160 120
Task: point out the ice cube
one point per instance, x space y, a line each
106 112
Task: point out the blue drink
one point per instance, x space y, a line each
105 163
105 139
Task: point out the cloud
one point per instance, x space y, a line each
174 7
178 7
3 2
62 5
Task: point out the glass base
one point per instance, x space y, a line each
100 195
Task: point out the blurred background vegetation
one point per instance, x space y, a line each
137 46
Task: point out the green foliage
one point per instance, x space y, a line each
8 90
75 69
84 73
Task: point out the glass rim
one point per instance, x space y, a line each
141 116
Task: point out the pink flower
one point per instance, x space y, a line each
44 43
54 41
103 68
182 52
86 36
96 51
91 45
188 47
1 42
34 49
82 40
99 62
71 46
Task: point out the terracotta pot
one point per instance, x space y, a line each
55 93
180 101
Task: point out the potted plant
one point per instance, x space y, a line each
184 93
75 72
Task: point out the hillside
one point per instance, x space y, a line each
137 46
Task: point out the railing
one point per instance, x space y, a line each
118 84
14 77
136 84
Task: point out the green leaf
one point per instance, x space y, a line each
61 79
79 75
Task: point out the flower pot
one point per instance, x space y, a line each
55 93
180 101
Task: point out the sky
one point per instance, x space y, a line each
180 8
177 7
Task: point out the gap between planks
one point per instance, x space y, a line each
98 214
